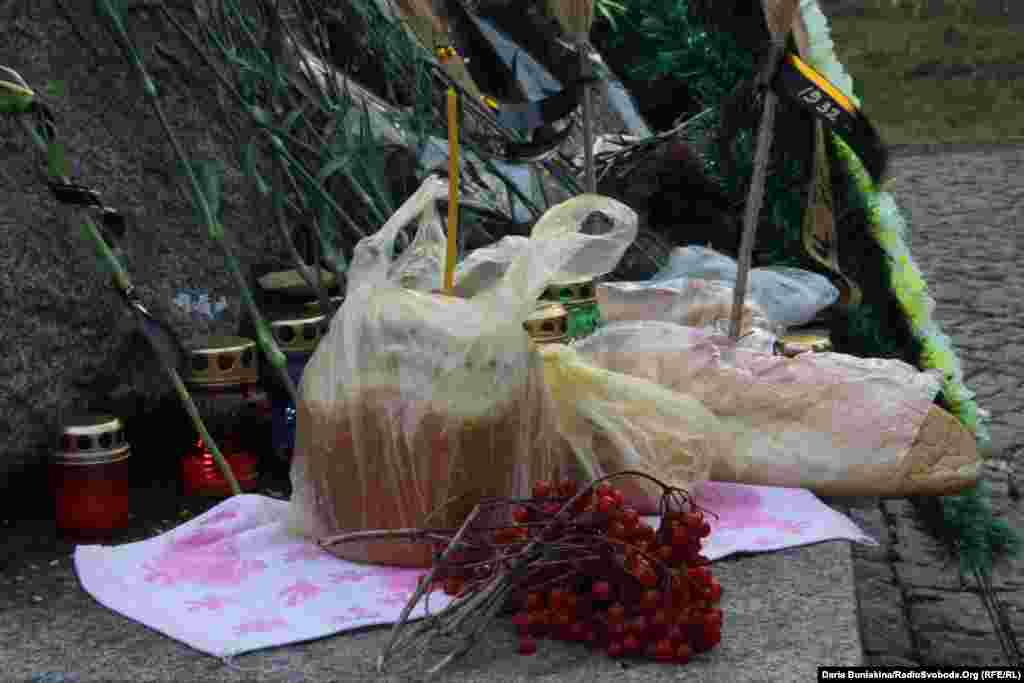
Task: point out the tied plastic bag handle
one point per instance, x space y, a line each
558 251
373 263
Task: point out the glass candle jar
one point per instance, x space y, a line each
807 340
579 298
549 324
90 477
223 380
297 337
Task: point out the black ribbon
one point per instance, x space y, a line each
795 80
80 195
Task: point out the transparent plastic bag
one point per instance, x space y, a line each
692 302
416 403
789 297
833 423
614 421
483 268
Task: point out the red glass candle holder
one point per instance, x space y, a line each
223 375
202 476
90 478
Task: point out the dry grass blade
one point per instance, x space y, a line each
574 16
780 15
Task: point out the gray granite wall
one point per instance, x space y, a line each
64 342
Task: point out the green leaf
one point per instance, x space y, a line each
56 160
210 174
260 115
331 167
249 168
112 10
14 98
56 89
292 119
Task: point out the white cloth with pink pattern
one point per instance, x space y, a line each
234 580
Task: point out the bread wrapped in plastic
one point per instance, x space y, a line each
417 403
615 421
833 423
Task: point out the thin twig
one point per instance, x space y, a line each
423 587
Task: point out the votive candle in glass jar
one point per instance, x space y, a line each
579 298
223 379
549 324
297 337
90 477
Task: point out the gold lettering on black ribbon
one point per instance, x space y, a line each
808 89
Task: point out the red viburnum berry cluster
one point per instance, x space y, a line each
602 576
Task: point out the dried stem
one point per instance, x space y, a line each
515 565
424 586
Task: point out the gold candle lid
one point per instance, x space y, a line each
299 335
549 324
804 341
571 293
222 362
291 282
92 439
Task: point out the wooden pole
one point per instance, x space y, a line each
779 15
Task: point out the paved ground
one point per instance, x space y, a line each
966 209
787 613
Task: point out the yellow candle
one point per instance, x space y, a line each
453 189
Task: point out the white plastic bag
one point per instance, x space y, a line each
416 402
684 301
790 297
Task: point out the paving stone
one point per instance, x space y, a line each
867 514
954 629
1013 603
884 628
919 560
889 660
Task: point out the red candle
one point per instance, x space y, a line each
90 478
223 377
202 475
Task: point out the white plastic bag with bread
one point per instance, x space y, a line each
416 403
829 422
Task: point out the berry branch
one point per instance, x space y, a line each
572 564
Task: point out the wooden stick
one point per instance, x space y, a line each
779 15
754 200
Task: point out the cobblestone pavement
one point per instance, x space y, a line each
966 214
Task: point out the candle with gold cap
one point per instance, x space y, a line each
223 376
90 476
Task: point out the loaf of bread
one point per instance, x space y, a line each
835 424
415 442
